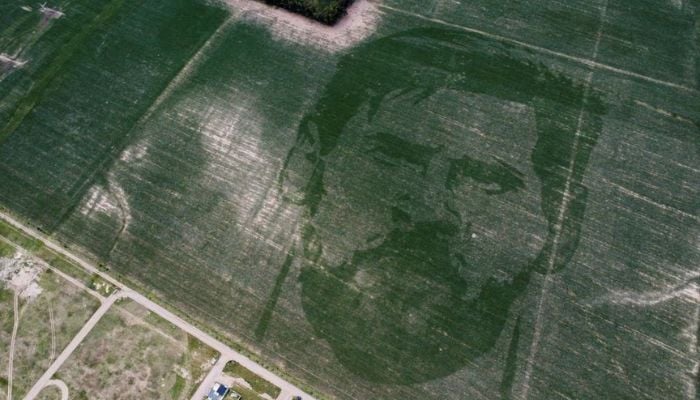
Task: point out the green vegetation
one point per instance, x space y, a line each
324 11
379 222
247 394
62 264
258 384
6 250
178 386
16 236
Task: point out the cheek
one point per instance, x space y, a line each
507 231
354 209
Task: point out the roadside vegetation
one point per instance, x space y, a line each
254 385
36 248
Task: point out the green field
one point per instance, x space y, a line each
480 200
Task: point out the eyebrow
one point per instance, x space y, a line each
404 150
497 172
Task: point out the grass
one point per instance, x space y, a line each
62 264
52 393
6 250
258 384
177 388
247 394
21 239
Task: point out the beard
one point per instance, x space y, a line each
403 303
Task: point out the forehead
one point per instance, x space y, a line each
457 122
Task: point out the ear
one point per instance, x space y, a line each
301 165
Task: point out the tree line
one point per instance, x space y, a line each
327 12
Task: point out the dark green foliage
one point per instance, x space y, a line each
325 11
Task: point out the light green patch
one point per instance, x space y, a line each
258 384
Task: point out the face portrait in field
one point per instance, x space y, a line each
431 171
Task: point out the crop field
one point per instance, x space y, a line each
433 199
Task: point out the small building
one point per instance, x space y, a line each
218 392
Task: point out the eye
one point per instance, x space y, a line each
493 178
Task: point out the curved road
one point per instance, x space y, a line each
60 385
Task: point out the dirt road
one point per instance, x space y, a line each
287 389
15 326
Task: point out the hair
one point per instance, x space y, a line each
448 59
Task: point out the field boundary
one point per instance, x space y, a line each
559 224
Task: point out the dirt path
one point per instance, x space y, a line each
53 334
15 326
288 390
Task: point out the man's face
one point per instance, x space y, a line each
426 199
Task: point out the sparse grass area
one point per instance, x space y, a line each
50 393
258 384
47 323
129 354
